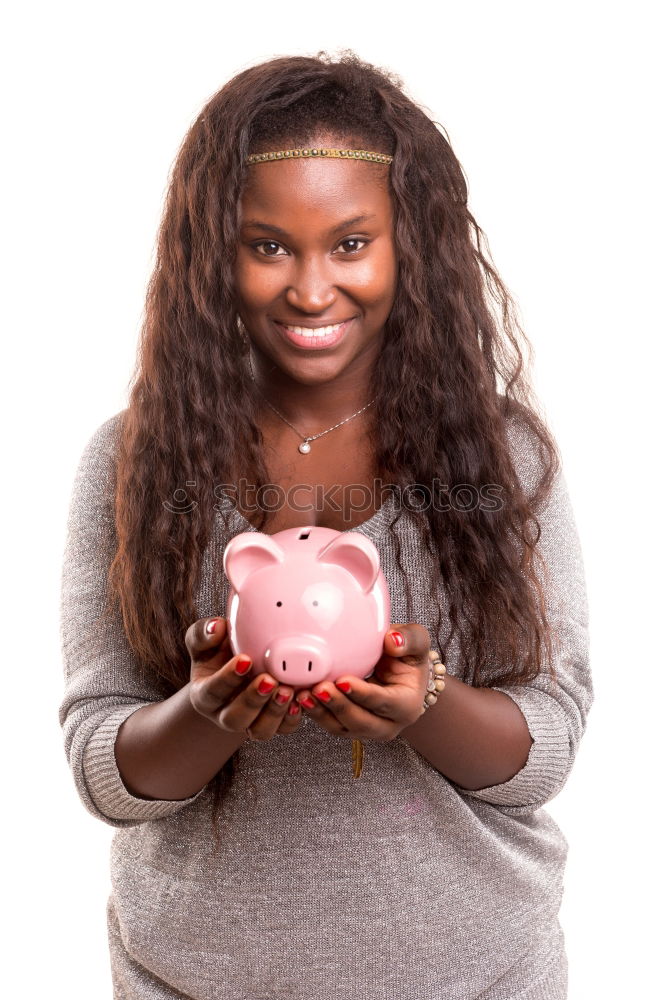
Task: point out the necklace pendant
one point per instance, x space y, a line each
304 448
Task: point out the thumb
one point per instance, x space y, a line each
215 628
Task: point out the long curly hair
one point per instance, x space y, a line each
192 403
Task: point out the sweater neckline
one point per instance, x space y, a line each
373 525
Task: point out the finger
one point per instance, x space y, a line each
393 701
241 712
208 692
382 700
409 641
392 671
318 711
390 674
292 719
208 663
204 636
273 713
338 713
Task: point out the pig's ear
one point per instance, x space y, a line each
355 553
248 552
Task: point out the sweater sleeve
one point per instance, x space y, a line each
103 684
555 711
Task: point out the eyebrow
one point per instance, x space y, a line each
331 232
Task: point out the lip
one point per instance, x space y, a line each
314 343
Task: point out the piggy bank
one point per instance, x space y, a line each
307 604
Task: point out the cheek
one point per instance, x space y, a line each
383 280
378 285
257 286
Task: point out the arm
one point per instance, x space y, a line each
104 686
493 760
170 751
476 737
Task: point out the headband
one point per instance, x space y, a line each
349 154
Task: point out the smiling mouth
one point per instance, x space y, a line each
308 338
314 331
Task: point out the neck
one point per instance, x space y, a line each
311 407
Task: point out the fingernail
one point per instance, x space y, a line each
243 664
282 697
293 708
344 686
266 686
212 625
322 695
398 638
307 703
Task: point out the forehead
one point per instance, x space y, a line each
326 188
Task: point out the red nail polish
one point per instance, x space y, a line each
323 696
398 638
344 686
243 664
293 708
266 686
307 703
211 626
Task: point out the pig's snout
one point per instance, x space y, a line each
297 660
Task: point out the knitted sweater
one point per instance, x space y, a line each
399 884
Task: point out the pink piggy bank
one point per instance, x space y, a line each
307 604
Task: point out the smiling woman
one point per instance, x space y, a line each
319 274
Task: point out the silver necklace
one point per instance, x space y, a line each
304 446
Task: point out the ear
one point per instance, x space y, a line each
248 552
355 553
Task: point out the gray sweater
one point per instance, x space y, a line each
398 884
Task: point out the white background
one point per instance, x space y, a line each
556 114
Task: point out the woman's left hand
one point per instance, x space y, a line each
380 707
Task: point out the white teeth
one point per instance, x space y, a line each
321 331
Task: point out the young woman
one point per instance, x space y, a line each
320 320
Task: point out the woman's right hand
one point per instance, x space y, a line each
229 699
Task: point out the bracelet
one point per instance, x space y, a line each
436 682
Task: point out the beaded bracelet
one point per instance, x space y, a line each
436 682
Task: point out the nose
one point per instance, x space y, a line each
311 290
300 661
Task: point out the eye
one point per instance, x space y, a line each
267 243
353 239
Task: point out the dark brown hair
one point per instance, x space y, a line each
192 403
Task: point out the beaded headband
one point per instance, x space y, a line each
349 154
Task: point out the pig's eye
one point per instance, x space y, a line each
315 603
279 604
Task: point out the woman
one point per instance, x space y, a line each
312 193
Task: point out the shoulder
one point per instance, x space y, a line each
100 448
534 462
95 473
103 441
